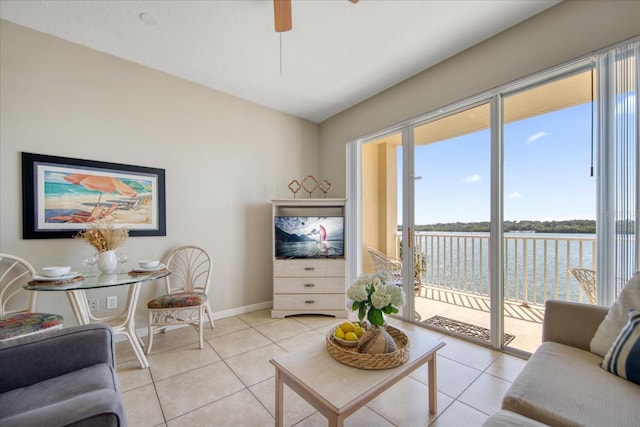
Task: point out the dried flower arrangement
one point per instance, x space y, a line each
103 236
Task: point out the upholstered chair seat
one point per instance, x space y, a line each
18 315
15 325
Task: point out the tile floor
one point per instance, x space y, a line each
231 382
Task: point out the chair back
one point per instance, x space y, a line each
190 268
384 263
15 272
587 280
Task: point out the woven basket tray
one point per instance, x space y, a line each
350 356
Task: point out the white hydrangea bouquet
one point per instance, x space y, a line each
374 297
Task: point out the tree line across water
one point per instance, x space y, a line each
582 226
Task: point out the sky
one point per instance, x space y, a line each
547 161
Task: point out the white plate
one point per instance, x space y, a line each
156 268
70 275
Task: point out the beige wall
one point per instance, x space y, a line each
225 158
567 31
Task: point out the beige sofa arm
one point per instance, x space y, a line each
571 323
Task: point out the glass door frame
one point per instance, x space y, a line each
408 217
496 248
496 231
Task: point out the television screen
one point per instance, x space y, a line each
309 236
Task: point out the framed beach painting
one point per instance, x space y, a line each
61 195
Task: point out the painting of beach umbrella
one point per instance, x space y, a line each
139 187
103 184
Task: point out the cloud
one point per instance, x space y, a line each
472 178
537 136
56 177
515 195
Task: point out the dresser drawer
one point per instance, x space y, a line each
308 285
302 302
309 268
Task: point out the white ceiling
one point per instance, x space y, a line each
337 54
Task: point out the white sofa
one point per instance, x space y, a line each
562 384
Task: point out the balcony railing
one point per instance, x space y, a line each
536 265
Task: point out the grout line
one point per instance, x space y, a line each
256 397
320 329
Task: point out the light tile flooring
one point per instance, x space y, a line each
231 382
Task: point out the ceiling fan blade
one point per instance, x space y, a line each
354 1
282 14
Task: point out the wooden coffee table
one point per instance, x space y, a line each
337 390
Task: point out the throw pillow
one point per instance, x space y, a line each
623 358
615 320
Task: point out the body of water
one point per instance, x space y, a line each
536 265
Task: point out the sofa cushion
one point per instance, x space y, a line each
564 386
623 358
615 320
511 419
48 354
88 394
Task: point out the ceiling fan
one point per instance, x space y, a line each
282 14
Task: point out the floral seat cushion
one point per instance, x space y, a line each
182 299
18 324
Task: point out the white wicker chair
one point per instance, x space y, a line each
186 301
393 267
587 280
18 316
389 265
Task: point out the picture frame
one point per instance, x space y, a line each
61 195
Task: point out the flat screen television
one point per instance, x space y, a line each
309 237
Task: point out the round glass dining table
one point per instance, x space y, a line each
121 323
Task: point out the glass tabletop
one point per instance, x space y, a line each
96 281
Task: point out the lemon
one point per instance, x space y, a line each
347 327
339 333
350 336
358 331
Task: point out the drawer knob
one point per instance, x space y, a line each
309 268
309 301
309 285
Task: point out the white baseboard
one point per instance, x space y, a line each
143 332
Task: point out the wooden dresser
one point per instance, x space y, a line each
309 285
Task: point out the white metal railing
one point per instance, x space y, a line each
536 265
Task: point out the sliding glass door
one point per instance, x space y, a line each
548 199
452 194
491 206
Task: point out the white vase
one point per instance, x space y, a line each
107 261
